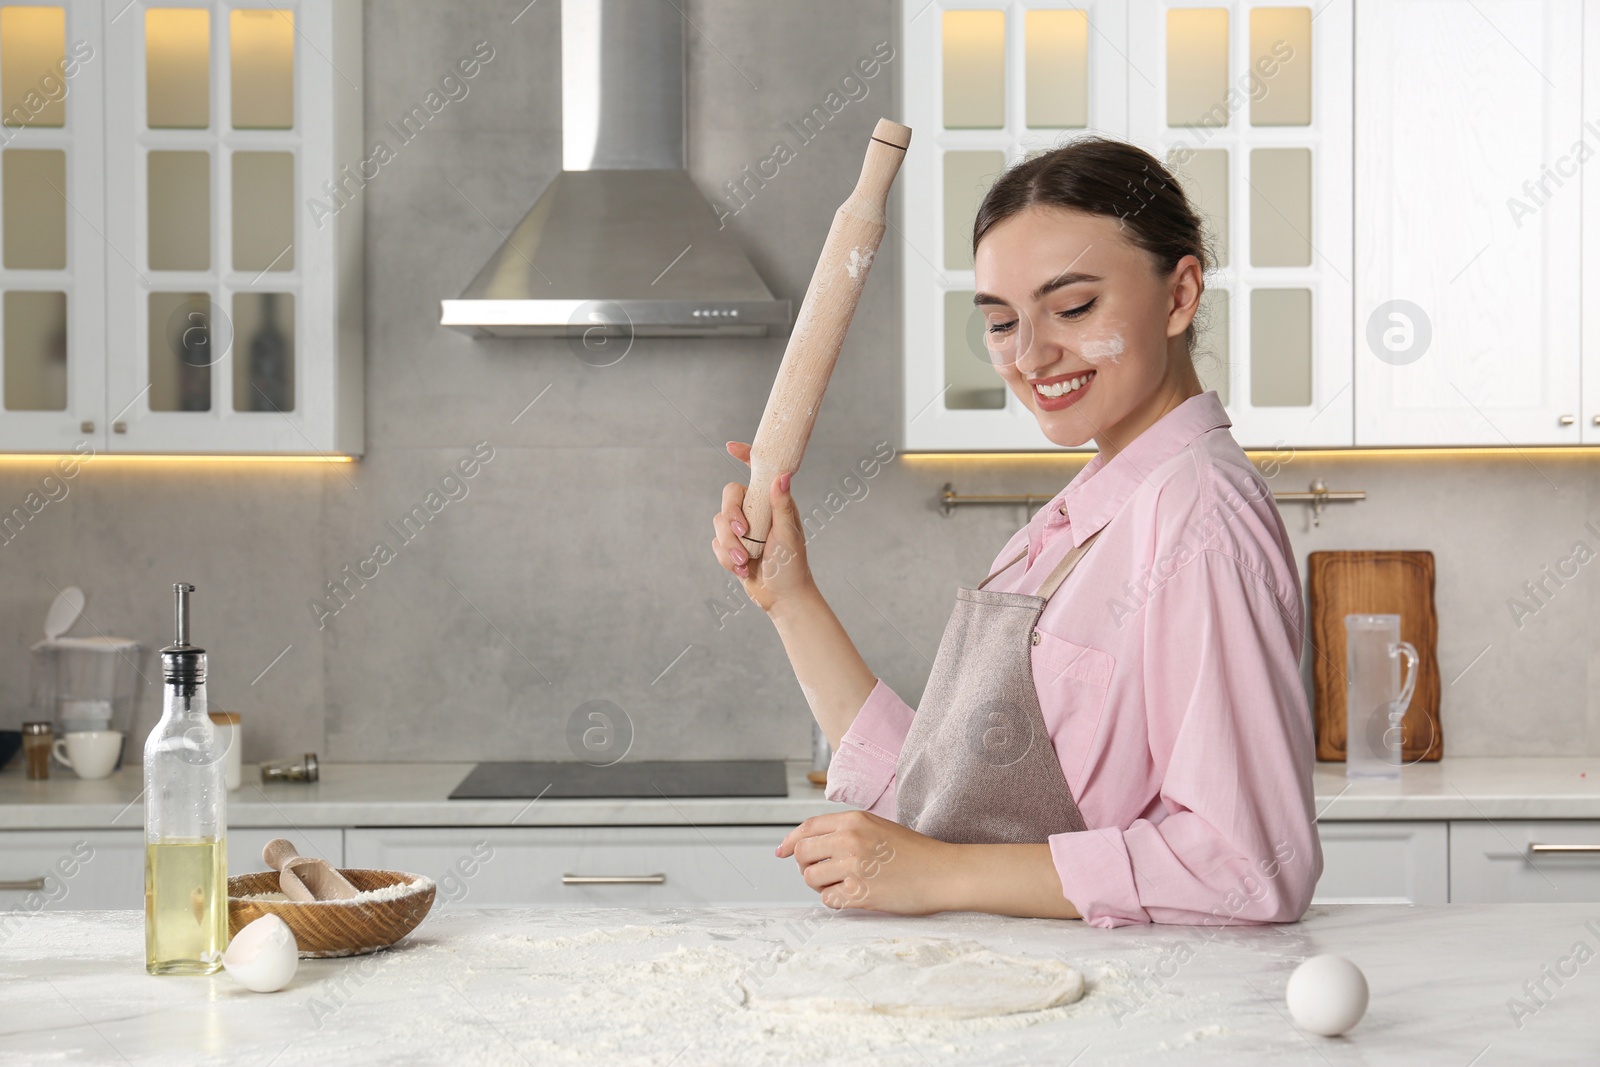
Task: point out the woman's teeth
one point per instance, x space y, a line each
1063 388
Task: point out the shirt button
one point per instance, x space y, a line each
1036 637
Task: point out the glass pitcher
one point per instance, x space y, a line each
1375 701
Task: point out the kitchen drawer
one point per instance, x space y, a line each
245 845
1384 863
491 867
56 870
1493 863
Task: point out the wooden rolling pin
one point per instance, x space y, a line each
303 878
819 329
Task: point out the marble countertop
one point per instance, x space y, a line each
620 986
415 794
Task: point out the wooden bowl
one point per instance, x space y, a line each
335 927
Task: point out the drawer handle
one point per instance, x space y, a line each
26 886
613 879
1536 848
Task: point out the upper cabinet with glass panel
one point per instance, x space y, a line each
1249 103
168 203
985 84
52 358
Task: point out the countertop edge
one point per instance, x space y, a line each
355 795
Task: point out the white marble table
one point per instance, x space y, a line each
657 987
417 794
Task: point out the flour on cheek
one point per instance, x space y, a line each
1102 349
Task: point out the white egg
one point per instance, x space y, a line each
263 956
1327 995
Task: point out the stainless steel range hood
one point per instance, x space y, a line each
622 241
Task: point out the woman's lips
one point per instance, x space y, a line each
1082 380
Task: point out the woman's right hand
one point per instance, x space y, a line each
781 572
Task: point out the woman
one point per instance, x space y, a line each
1130 745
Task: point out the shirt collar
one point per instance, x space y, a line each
1099 490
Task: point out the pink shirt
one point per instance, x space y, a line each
1168 675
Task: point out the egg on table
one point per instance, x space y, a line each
1327 995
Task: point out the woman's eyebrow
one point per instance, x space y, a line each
1060 281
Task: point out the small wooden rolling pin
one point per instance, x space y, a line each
819 329
303 878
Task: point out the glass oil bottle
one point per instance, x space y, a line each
185 865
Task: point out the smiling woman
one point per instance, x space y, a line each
1083 254
1071 757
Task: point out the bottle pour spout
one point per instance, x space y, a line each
181 661
180 595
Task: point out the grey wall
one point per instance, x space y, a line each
577 567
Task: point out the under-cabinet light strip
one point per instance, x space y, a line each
98 458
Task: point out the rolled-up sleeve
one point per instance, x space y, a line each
861 773
1232 838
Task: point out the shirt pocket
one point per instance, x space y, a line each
1072 681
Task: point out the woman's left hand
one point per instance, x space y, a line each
855 859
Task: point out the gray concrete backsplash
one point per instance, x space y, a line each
400 608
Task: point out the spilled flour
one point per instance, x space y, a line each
755 996
921 976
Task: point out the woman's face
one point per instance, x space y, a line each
1080 326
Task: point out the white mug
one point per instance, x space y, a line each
91 753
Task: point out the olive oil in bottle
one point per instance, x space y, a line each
185 922
185 865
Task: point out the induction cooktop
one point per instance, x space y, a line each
672 779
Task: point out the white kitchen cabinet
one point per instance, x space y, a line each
1384 863
626 866
1249 103
104 869
1469 138
237 314
52 184
1589 409
984 84
1518 861
197 289
245 845
69 869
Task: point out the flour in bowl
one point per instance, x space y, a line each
368 896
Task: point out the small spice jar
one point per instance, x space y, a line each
37 737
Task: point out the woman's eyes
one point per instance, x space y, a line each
1069 314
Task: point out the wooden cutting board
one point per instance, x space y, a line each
1374 583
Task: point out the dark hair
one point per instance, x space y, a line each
1102 176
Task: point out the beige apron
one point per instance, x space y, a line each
977 766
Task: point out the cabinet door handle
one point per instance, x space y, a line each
1567 420
1541 849
613 879
25 886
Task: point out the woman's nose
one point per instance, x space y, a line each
1036 352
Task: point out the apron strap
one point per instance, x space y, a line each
1052 583
1004 567
1064 568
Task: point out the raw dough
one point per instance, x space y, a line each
911 976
